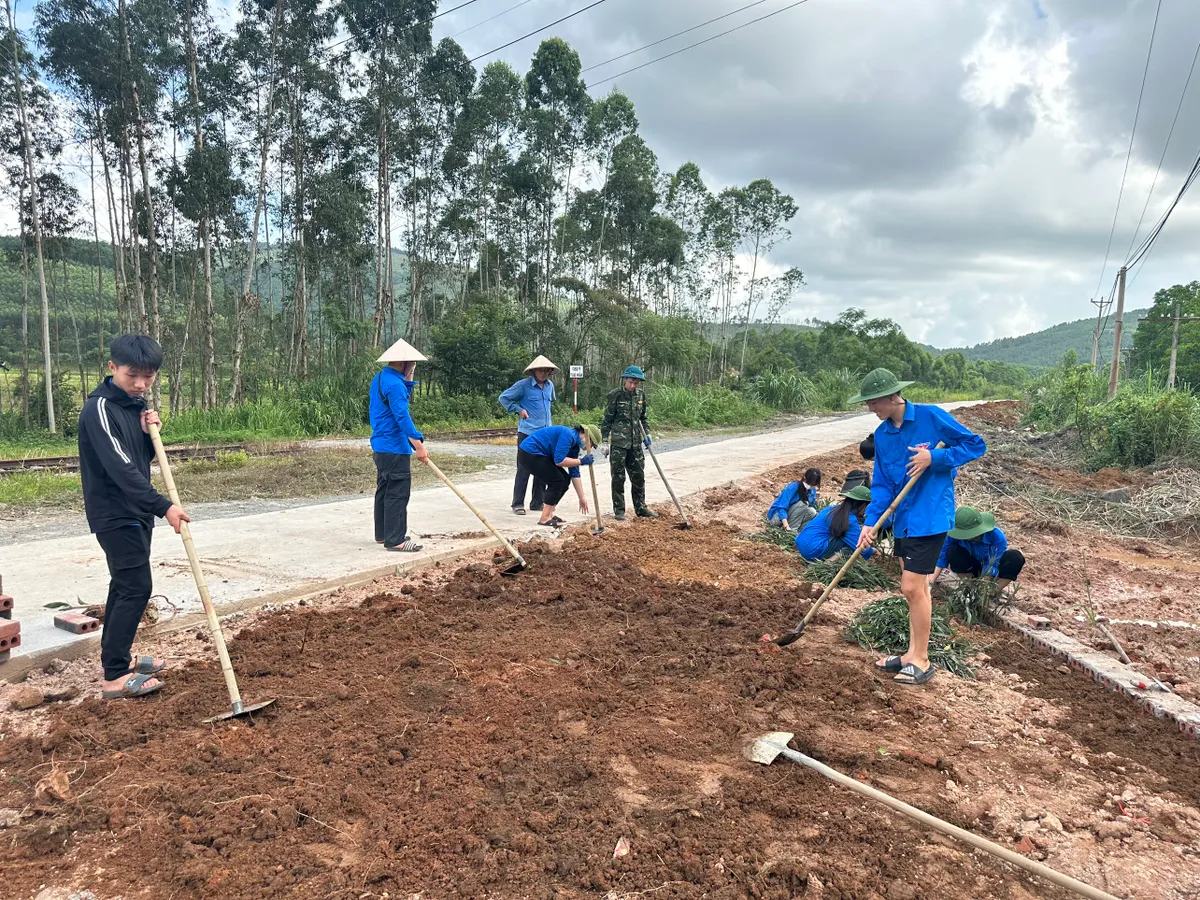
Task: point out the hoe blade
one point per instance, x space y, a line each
239 711
764 748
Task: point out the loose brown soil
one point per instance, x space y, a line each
468 735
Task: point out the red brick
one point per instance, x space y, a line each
1039 622
6 602
10 635
76 623
1026 845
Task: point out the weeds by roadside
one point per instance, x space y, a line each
778 537
882 626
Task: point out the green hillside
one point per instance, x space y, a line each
1047 347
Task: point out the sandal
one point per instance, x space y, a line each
519 510
554 522
911 675
133 686
891 665
144 665
409 546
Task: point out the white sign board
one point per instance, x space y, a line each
576 371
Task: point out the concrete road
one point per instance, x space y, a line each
287 549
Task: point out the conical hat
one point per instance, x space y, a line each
401 351
541 363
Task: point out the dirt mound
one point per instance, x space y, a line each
489 738
997 414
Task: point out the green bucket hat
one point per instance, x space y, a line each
879 383
859 492
593 434
634 372
971 523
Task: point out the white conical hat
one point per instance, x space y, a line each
401 351
541 363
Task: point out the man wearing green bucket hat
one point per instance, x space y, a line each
836 528
975 547
906 445
553 456
624 424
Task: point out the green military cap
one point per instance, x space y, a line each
879 383
971 523
859 492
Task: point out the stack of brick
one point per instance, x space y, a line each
10 631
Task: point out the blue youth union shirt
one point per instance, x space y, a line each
557 442
929 507
813 539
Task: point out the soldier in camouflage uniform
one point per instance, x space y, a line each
626 410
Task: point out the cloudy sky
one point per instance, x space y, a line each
956 162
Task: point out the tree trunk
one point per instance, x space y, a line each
35 215
99 260
260 198
299 365
749 310
24 313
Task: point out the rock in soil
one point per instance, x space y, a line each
26 696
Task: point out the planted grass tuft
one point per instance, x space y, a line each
882 626
779 537
864 575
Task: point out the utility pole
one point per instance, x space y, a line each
1175 320
1116 357
1102 305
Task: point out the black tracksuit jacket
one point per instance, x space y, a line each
114 461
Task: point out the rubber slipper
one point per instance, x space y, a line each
911 675
133 686
145 666
519 510
891 665
407 547
553 523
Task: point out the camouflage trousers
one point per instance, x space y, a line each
633 461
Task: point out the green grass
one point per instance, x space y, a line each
864 575
882 625
23 490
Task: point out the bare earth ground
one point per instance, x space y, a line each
459 734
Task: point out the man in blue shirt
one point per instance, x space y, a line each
554 455
530 398
906 445
975 547
395 440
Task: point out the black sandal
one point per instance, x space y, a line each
553 523
911 675
891 665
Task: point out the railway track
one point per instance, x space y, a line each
184 454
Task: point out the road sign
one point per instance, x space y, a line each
576 371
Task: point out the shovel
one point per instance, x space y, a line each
237 707
599 529
686 524
768 747
789 637
521 565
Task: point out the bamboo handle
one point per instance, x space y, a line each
661 475
471 506
1016 859
595 496
214 624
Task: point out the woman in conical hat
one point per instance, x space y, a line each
395 440
530 400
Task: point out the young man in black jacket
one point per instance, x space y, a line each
121 505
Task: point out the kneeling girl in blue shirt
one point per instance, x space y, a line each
836 528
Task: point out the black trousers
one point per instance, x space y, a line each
393 487
523 475
633 461
963 563
127 550
554 480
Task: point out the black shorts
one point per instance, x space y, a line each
920 554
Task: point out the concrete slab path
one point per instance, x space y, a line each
291 548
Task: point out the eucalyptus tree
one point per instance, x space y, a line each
762 212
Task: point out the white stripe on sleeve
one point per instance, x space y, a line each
102 408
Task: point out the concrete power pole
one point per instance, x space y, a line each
1175 321
1102 306
1115 372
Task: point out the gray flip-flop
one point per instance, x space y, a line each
911 675
145 666
891 665
519 510
133 686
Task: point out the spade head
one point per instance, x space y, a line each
790 637
239 711
599 530
682 526
764 748
515 569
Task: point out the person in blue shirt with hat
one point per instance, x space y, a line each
624 425
836 528
907 446
530 399
394 441
554 455
976 548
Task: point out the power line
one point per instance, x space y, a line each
1170 134
491 18
1129 153
1144 248
698 43
538 30
675 35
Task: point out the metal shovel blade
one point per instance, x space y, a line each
240 710
514 570
764 748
